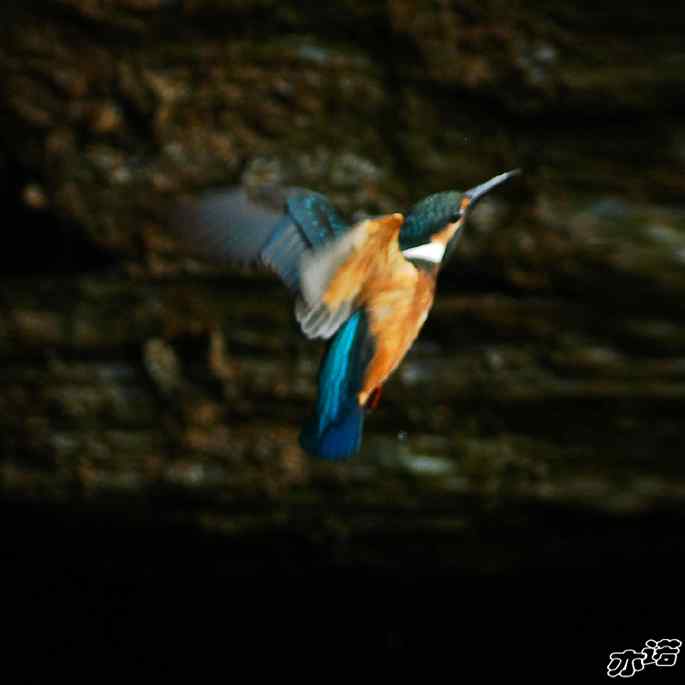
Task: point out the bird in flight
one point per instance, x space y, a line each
365 287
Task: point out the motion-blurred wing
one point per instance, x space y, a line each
267 225
226 225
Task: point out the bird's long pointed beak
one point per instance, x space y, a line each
474 194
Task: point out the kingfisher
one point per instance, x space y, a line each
366 287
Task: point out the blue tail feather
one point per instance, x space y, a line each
337 440
335 431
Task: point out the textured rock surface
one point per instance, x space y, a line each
552 370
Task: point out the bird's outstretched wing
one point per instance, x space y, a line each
268 225
299 235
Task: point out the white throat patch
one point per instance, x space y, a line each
428 252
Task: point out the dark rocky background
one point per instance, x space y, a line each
528 454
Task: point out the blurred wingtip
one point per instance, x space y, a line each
222 225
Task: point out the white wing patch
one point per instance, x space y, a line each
428 252
319 321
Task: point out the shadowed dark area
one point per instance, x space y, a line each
38 242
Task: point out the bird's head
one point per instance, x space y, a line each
433 226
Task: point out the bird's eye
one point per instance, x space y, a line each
455 217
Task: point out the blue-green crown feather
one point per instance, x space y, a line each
429 216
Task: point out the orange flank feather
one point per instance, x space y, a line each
396 295
397 309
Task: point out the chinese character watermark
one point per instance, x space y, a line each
655 653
